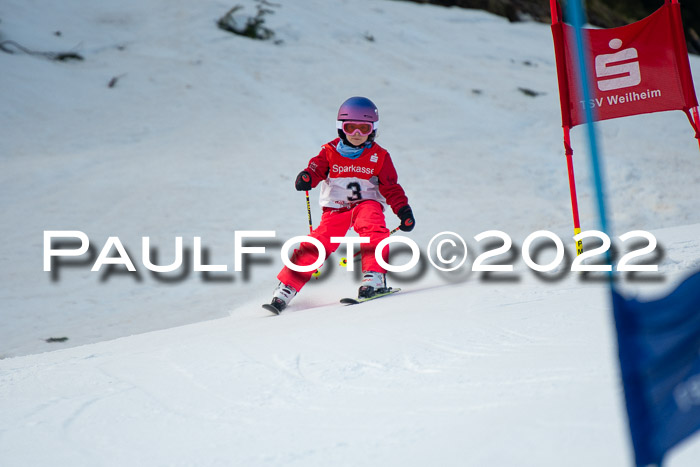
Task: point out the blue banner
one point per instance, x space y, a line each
659 349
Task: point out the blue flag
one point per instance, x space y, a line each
658 341
659 349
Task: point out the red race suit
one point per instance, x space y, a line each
353 194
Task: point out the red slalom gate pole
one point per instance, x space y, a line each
572 188
696 121
555 12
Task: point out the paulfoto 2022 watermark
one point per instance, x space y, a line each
446 251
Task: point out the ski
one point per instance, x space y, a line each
345 301
271 309
357 301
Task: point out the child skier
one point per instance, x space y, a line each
357 178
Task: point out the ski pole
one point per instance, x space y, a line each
344 261
317 272
308 211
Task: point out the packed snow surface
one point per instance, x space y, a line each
171 127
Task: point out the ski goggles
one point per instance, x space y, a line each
350 127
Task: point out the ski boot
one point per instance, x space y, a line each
282 296
372 284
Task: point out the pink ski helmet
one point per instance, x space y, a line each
358 109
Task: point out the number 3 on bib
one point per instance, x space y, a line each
355 190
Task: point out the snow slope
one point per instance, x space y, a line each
202 135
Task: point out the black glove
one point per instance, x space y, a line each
407 219
303 181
